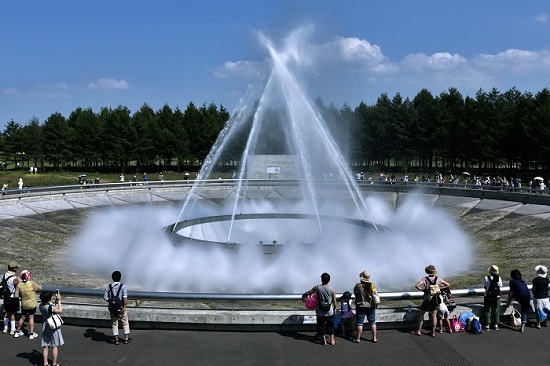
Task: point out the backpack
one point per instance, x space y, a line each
363 299
433 291
493 291
474 326
5 291
448 299
115 302
324 305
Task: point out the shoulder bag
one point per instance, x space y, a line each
54 320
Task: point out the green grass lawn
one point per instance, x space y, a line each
10 177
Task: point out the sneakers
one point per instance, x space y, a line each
33 335
486 328
12 332
18 334
5 330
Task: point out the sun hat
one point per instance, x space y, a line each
25 275
430 270
541 270
364 276
13 264
493 269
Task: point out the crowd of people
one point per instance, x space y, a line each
437 302
457 180
19 296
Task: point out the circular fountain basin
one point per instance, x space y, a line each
272 229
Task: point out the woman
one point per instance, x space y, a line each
26 291
430 303
365 305
540 295
519 292
50 337
325 308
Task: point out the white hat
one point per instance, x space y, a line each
541 270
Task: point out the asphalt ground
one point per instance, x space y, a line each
93 346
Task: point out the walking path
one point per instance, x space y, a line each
92 346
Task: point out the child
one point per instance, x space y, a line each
443 314
51 338
347 315
25 290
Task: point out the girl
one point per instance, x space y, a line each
50 337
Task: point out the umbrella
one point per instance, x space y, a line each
538 178
465 173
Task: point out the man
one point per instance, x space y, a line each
11 304
491 299
326 307
117 296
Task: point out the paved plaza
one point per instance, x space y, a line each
92 346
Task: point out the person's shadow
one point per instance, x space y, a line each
96 336
34 357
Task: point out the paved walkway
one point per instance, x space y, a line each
92 346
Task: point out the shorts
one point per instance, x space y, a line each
428 305
443 313
369 313
30 311
11 305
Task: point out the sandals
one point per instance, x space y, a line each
415 332
126 341
356 340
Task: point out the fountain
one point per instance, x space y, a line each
313 218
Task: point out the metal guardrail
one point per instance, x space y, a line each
254 182
234 297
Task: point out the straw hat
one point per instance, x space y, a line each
493 269
430 270
364 276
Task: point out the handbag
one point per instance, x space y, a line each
515 318
54 320
376 298
311 301
456 324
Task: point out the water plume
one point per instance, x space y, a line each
275 119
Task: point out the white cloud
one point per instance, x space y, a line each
10 92
240 68
109 84
514 61
49 91
542 18
440 61
357 53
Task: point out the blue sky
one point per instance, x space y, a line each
60 55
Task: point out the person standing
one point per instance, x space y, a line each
11 304
325 308
431 301
519 292
117 296
20 183
26 290
365 305
540 296
51 338
491 300
347 315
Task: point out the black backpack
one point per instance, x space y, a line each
493 291
115 302
5 288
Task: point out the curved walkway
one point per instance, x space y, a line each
92 346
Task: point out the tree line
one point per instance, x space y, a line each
492 131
